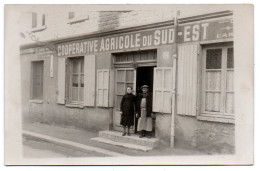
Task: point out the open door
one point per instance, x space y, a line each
124 77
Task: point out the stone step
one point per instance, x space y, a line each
126 145
133 139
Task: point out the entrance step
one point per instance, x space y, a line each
132 142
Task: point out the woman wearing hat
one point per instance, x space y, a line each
144 112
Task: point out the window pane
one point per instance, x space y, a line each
130 76
75 66
213 59
143 56
37 80
230 103
137 57
119 98
213 80
75 81
230 80
212 102
230 58
82 66
124 58
81 94
74 94
43 19
34 20
120 89
120 76
82 80
71 15
130 57
150 56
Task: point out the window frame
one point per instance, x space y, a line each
69 73
32 98
221 116
38 22
125 82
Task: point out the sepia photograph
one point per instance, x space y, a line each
129 83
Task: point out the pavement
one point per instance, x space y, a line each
76 139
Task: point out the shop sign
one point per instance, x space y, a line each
43 53
201 31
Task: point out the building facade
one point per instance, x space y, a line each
79 80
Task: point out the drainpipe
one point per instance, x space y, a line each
174 77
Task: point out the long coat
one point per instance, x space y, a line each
127 107
149 103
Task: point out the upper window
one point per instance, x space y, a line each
76 81
71 15
218 88
77 17
38 22
37 80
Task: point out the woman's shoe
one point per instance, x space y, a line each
124 134
128 134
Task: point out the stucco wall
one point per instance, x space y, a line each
206 136
49 111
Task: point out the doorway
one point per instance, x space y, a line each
144 76
133 69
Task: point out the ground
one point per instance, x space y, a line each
83 137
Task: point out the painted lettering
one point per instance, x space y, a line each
186 33
204 30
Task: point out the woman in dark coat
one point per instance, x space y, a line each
127 110
144 112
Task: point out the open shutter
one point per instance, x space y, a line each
89 80
187 80
61 80
102 88
162 90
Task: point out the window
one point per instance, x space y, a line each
124 77
77 17
76 83
43 19
37 80
71 15
38 22
34 20
218 91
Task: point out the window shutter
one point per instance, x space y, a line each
103 88
89 80
187 80
61 80
34 20
162 89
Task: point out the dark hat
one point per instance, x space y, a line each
144 86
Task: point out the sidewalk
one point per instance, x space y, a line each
80 140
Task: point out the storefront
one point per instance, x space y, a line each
81 80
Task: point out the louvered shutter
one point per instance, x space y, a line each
89 80
187 80
103 88
162 90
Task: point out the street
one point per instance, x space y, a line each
40 149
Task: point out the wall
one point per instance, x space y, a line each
58 27
49 112
209 137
